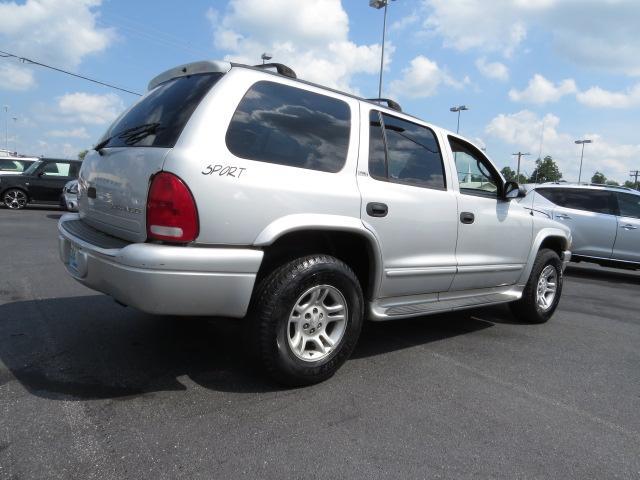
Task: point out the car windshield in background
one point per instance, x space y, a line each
158 119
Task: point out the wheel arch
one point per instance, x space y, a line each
344 237
15 187
555 239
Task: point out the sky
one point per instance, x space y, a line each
535 74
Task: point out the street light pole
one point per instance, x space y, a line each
578 142
520 155
378 4
266 56
6 128
458 109
15 137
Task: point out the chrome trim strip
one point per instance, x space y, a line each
489 268
411 271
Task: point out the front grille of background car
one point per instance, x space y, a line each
88 234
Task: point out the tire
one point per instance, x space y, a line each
15 199
288 322
531 307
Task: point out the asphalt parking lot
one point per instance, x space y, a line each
90 389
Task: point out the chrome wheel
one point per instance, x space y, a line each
547 287
317 323
15 199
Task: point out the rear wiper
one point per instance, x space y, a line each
131 135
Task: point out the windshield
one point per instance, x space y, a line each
32 168
158 119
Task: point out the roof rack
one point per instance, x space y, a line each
392 104
282 69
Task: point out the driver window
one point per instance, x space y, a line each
476 175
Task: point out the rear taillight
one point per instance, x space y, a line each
171 211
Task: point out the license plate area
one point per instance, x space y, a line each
73 258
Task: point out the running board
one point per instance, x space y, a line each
417 305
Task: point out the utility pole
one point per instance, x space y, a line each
581 142
635 174
520 155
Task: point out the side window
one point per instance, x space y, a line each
628 205
476 175
554 195
411 157
596 201
290 126
56 169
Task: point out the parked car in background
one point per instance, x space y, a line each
15 165
228 190
604 220
69 197
42 182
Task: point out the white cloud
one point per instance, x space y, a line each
15 77
590 33
314 39
87 108
525 129
404 22
60 32
422 78
540 90
80 132
599 97
494 70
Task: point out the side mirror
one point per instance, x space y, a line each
512 190
40 174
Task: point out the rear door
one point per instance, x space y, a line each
51 177
114 183
627 245
590 214
407 203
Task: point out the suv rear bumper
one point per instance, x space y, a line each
162 279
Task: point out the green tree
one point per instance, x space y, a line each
631 184
82 154
546 171
510 175
613 183
599 178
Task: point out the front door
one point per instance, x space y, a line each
627 246
408 204
494 235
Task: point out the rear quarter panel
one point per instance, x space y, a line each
238 198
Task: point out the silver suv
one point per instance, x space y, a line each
604 220
235 191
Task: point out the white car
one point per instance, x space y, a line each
234 191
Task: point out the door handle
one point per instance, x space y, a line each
467 217
562 216
628 227
376 209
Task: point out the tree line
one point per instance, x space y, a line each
547 170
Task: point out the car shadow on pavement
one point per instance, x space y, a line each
83 348
599 273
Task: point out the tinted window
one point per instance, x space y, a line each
628 205
289 126
56 169
166 110
10 165
412 154
597 201
476 175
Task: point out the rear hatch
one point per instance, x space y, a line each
114 181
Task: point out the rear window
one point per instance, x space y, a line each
289 126
165 111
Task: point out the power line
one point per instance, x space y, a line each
33 62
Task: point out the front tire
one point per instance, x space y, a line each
542 293
306 319
15 199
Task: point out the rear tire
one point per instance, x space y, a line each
542 292
306 318
15 199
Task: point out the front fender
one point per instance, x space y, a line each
542 235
